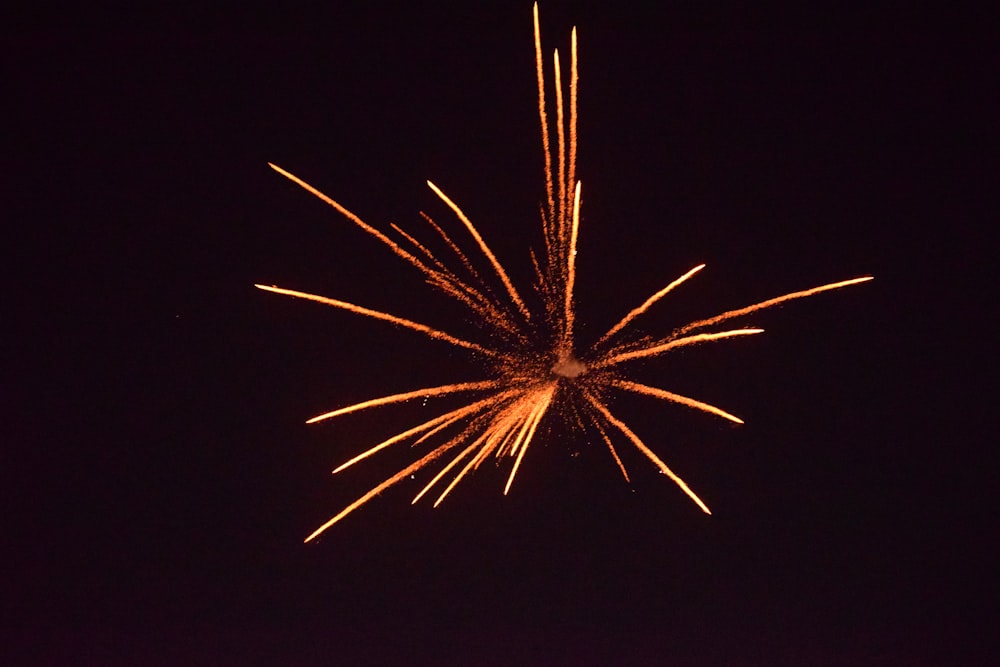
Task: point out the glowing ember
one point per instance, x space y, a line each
502 418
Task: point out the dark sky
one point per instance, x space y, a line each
161 474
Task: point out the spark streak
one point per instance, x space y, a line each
399 398
378 315
672 344
522 385
647 303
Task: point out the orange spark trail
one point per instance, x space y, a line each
440 427
399 398
614 452
471 465
678 342
769 303
571 273
442 276
530 425
649 302
496 435
444 471
402 474
647 451
486 250
444 279
526 408
349 215
378 315
573 80
454 248
544 122
506 425
431 423
561 136
675 398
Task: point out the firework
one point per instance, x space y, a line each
501 418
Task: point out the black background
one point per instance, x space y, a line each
161 476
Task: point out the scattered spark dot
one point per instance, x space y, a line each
522 385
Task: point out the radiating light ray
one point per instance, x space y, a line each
647 303
646 450
379 315
427 392
503 437
571 273
546 150
437 429
531 424
435 277
675 398
486 250
402 474
493 444
473 463
529 353
525 409
444 279
472 408
419 246
454 248
672 344
348 214
739 312
561 137
444 471
611 447
496 436
509 426
574 77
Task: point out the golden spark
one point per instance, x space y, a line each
502 418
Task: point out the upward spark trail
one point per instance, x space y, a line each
532 366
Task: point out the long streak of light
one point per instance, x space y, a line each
571 272
472 464
561 136
444 471
647 303
509 426
675 398
437 429
454 248
614 452
677 342
729 314
525 410
533 419
544 122
430 423
349 215
574 77
647 451
446 280
406 396
402 474
485 248
378 315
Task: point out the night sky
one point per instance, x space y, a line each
162 478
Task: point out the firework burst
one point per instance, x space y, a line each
529 355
